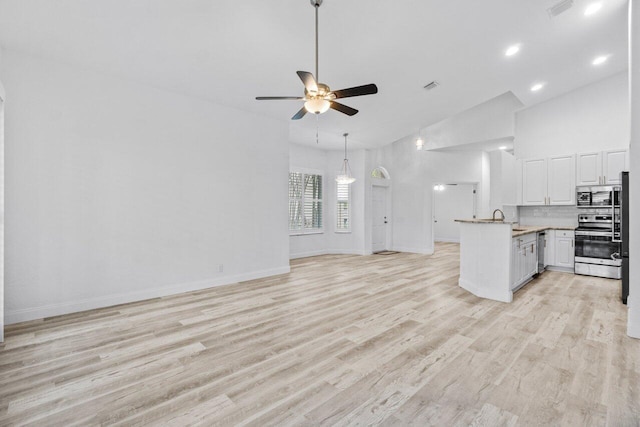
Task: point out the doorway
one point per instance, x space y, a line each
379 232
451 202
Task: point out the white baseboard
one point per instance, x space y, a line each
33 313
633 318
437 239
560 269
328 252
485 293
424 251
307 254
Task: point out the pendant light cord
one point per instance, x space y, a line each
345 145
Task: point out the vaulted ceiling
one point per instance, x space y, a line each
231 51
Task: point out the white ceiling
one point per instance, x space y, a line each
231 51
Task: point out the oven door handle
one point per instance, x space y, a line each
594 233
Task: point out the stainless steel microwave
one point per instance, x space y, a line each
598 196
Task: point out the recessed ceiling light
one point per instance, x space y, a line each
512 50
504 147
592 8
536 87
600 60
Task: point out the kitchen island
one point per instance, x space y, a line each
497 257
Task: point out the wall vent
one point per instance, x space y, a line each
434 84
559 8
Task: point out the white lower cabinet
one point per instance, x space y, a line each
524 259
564 249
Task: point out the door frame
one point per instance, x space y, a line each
433 204
386 184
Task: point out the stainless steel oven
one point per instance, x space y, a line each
598 244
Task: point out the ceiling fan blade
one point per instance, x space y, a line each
300 114
272 98
369 89
343 108
309 81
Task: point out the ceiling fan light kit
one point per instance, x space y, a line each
317 106
318 97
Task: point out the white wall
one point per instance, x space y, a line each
329 163
414 174
491 120
117 191
633 323
502 182
591 118
2 97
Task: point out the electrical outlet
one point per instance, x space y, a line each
220 268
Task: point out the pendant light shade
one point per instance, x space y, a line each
345 176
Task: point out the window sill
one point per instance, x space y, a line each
343 232
305 233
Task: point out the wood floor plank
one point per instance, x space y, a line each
340 340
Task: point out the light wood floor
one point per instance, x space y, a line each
341 340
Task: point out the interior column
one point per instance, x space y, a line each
633 322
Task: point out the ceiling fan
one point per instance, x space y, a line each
318 97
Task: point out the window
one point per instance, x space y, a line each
380 173
343 222
305 203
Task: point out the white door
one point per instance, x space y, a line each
534 182
456 201
380 221
562 180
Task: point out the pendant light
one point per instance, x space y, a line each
345 176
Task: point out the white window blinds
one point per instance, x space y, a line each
305 202
343 220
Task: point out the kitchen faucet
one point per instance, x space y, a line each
501 213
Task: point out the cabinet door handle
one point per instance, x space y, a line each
532 248
571 242
604 179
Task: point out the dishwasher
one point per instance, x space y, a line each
542 243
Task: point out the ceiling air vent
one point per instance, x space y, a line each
434 84
559 8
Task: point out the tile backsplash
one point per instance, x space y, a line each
561 216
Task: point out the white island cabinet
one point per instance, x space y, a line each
497 258
485 259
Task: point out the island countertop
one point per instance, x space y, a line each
516 230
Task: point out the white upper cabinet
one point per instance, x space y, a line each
549 181
602 167
614 162
589 169
561 181
534 182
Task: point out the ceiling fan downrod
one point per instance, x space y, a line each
316 4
